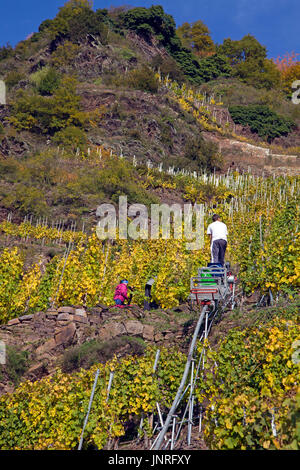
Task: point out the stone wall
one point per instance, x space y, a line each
259 160
46 335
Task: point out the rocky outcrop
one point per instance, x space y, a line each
47 335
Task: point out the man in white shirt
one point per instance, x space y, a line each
218 239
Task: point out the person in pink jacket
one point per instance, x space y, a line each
121 292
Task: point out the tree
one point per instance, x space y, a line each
196 36
289 59
77 5
249 62
213 67
150 21
247 48
289 69
288 76
258 73
74 20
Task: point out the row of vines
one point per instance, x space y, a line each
251 384
262 216
247 393
248 390
206 110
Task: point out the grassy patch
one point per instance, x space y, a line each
92 352
17 363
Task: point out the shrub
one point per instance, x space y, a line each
46 80
126 53
71 137
5 52
17 364
13 78
116 179
143 79
49 82
168 67
27 200
49 114
92 352
64 54
261 120
202 153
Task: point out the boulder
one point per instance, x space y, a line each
46 347
14 321
95 311
65 335
148 332
37 370
80 319
158 336
67 309
117 329
95 319
105 333
64 316
134 328
26 317
39 317
80 311
51 313
105 315
103 307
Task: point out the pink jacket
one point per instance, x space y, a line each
121 292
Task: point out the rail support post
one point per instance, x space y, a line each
182 383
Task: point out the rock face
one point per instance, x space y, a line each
65 335
46 335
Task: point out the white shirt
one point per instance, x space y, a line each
218 230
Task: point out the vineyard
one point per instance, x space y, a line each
248 387
262 215
248 383
207 110
121 102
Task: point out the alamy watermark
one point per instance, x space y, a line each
296 352
2 92
161 221
296 94
2 353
